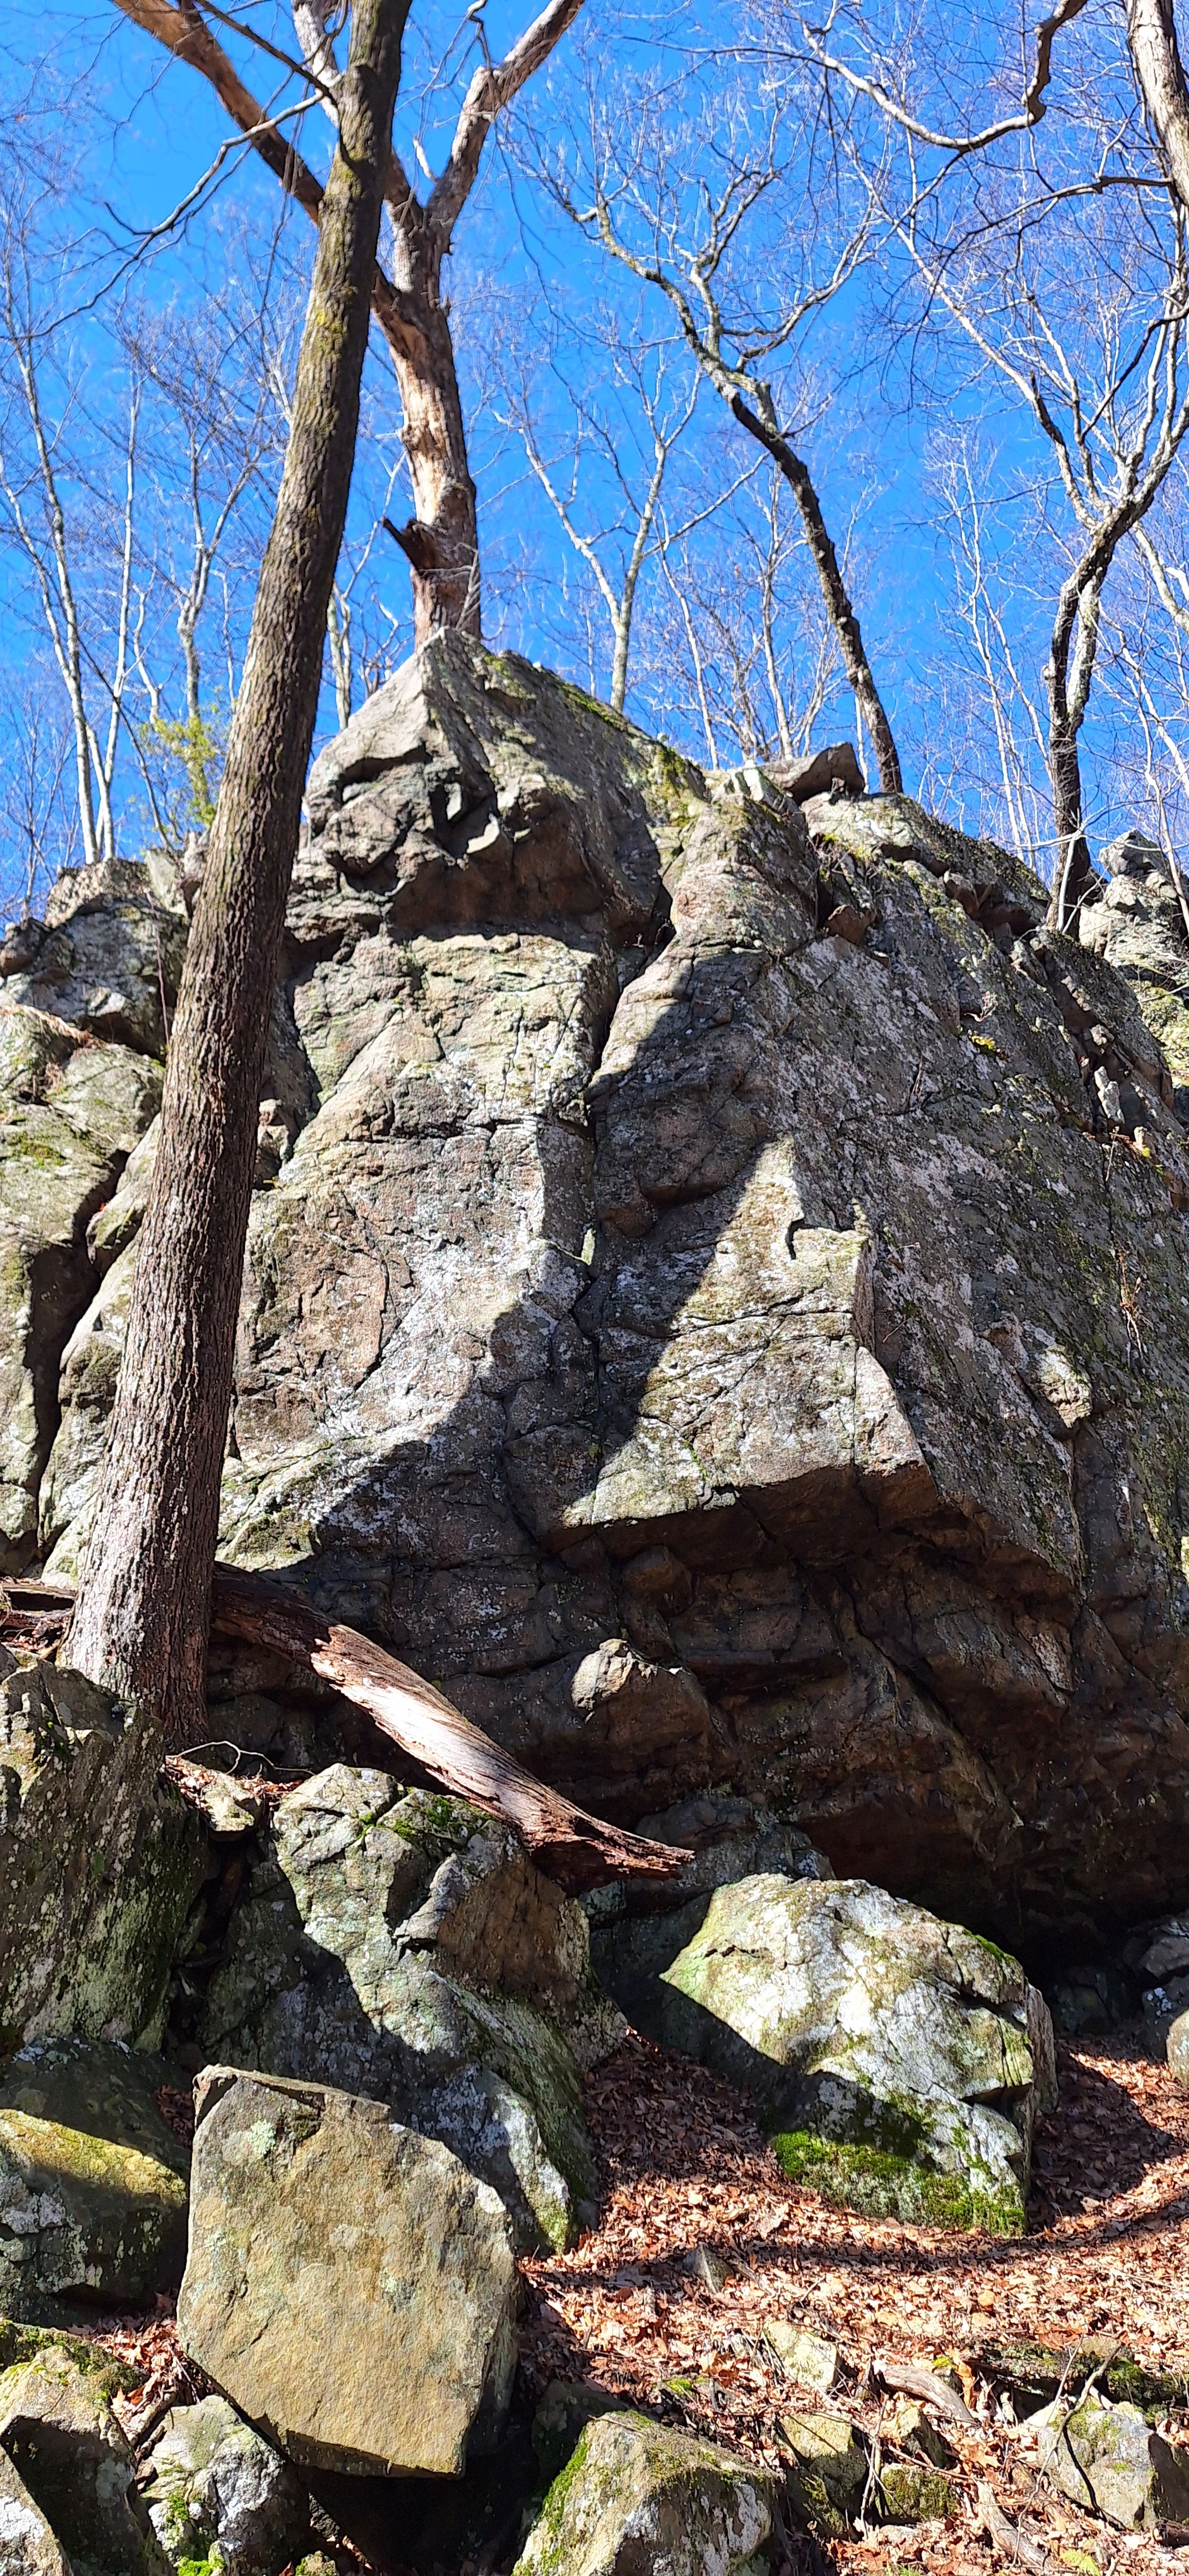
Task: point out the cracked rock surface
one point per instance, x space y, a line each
713 1302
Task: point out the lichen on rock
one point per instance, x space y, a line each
896 2061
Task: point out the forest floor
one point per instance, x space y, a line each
684 2168
684 2165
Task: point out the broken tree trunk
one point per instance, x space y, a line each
576 1849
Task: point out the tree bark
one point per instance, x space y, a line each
1073 873
441 541
141 1621
1152 35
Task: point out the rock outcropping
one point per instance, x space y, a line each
714 1298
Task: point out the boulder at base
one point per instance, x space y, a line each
350 2286
636 2495
27 2545
403 1946
92 2182
1109 2460
215 2484
898 2061
58 2430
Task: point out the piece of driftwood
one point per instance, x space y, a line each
912 2379
576 1849
1008 2539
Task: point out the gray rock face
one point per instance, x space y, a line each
716 1309
27 2545
92 2183
898 2061
349 2285
65 2444
99 1864
213 2480
1137 924
404 1947
636 2495
1108 2459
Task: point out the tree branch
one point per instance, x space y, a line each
493 85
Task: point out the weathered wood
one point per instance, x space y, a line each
567 1844
577 1849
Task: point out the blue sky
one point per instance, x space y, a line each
114 138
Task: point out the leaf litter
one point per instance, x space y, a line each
703 2240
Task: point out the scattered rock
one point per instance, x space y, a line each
835 767
1033 2373
807 2358
1109 2460
636 1936
910 2492
209 2479
92 2182
63 2440
1094 1997
908 2428
636 2495
1176 2049
27 2544
829 2467
404 1947
711 2268
562 2416
897 2061
349 2284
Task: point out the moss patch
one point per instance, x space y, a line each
883 2184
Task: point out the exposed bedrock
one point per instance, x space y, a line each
715 1303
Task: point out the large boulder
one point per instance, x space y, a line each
100 1861
1137 924
1108 2459
898 2061
405 1947
212 2484
92 2182
350 2286
27 2544
697 1306
58 2430
637 1930
638 2495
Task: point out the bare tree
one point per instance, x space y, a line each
691 243
32 490
1121 433
441 540
141 1619
629 532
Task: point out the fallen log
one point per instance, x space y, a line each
576 1849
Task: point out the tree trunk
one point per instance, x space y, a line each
141 1622
1152 34
1073 873
839 605
442 540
